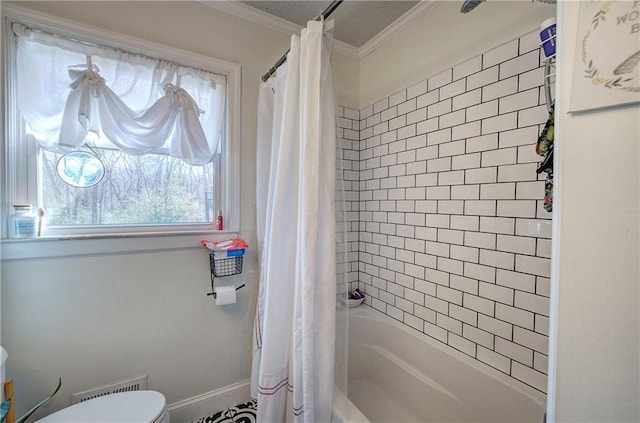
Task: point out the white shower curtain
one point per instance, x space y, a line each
294 337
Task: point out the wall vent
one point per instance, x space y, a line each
135 384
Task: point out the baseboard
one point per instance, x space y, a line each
191 409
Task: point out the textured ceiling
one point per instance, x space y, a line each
357 21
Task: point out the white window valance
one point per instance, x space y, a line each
71 93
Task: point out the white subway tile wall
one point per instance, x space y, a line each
446 229
348 164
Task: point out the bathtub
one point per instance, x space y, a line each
397 374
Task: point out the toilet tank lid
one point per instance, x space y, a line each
129 407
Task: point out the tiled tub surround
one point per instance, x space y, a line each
348 156
453 240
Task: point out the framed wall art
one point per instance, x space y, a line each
607 55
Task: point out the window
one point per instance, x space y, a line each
148 145
153 189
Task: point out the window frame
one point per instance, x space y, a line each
19 175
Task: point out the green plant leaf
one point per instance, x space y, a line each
4 409
40 404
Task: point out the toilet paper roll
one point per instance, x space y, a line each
225 295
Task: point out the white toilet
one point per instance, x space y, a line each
123 407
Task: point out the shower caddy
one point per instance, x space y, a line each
549 80
544 145
548 50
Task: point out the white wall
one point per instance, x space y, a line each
346 70
95 320
597 288
443 38
100 319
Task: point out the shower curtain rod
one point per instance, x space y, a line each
325 14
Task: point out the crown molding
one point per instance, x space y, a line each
257 16
346 49
415 13
273 22
254 15
100 36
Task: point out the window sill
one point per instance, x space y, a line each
77 246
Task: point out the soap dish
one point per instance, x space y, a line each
355 302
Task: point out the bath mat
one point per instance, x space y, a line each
241 413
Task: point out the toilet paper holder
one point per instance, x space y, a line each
213 292
225 264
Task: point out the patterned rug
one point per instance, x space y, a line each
241 413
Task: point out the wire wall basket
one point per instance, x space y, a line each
225 266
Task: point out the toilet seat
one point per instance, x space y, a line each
123 407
